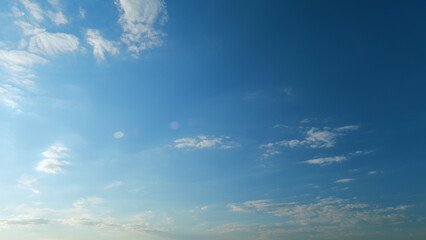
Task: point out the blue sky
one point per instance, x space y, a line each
257 120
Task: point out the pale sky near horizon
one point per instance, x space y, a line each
212 120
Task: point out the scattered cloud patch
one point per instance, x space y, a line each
345 180
201 142
28 183
46 43
119 134
100 45
18 61
314 138
114 185
87 202
82 13
57 17
51 165
53 162
138 20
326 160
25 222
257 205
33 9
330 211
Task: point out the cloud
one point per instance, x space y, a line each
233 227
100 45
325 212
57 17
52 164
314 138
326 160
82 13
114 185
257 205
345 180
80 214
205 142
28 183
46 43
33 9
87 202
16 79
138 21
25 222
17 60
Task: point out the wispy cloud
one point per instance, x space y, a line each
345 180
139 20
205 142
88 202
114 185
100 45
81 214
33 9
17 78
17 61
325 212
28 183
53 162
337 159
314 138
46 43
326 160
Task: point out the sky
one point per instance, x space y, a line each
213 119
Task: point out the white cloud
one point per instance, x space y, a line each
347 128
326 160
114 185
33 9
330 211
314 138
82 13
118 134
46 43
52 164
57 17
100 45
16 75
345 180
25 222
17 61
27 181
87 202
205 142
81 214
138 20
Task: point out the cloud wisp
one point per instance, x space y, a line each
330 211
202 141
100 45
139 20
53 162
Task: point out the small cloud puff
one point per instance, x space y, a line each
205 142
52 163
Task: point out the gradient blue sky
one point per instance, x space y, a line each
215 119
